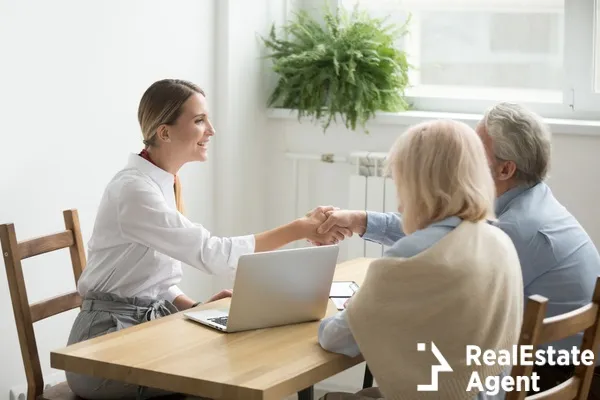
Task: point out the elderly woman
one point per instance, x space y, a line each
453 280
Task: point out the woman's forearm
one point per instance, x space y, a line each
280 236
183 302
301 228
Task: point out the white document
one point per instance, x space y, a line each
343 289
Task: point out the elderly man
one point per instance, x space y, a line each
558 258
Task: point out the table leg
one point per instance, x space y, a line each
307 394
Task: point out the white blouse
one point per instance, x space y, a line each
140 239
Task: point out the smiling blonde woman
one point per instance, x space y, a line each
141 236
454 280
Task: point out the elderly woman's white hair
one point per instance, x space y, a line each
441 170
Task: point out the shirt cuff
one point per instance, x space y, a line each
241 245
172 293
376 227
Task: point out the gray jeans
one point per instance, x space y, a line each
103 313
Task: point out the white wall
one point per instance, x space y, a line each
71 77
242 137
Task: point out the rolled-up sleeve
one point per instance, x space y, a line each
172 293
144 217
383 228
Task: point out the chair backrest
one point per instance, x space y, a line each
27 314
538 330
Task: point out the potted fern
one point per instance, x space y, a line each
348 65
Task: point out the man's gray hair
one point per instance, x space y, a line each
521 136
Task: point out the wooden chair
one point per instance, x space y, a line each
27 314
536 330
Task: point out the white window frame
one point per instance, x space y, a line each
579 98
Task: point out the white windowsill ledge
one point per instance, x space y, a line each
558 126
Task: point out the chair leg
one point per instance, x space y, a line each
368 379
307 394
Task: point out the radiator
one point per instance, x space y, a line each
367 188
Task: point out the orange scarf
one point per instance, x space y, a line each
176 186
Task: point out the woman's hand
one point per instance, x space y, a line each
314 219
221 295
301 228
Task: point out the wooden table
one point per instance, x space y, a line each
178 355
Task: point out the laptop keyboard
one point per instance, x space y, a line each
219 320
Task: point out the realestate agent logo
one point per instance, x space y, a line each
435 369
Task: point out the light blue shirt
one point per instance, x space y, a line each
334 332
558 259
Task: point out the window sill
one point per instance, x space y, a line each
558 126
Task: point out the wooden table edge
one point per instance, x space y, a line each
149 378
294 384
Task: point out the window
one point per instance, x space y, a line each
471 54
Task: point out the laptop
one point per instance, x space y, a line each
276 288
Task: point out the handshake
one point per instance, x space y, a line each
327 225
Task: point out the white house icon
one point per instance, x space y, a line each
435 369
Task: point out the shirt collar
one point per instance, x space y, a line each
451 222
163 178
505 198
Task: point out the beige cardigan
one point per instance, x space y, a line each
467 289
